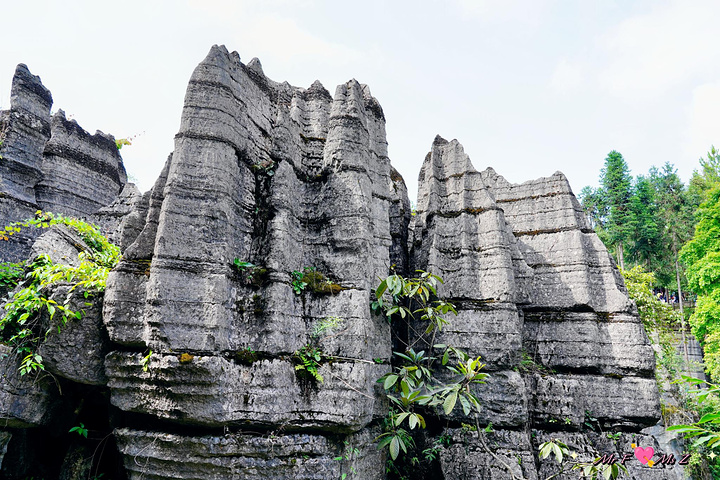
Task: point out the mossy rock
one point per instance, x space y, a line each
247 356
319 283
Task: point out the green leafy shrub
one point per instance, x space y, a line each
10 275
20 327
412 387
655 314
706 431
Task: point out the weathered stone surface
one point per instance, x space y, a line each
50 164
503 400
460 233
627 402
60 243
499 455
77 351
24 130
571 266
151 455
123 220
532 282
213 391
285 178
81 173
24 400
590 445
296 183
613 344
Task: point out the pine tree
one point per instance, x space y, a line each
644 225
617 185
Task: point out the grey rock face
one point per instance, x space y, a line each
288 179
24 131
535 290
503 454
123 219
50 163
213 391
589 446
284 457
81 173
199 355
77 352
24 402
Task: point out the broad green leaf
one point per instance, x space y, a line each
390 381
449 403
399 419
394 448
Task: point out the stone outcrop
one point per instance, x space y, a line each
539 298
288 179
264 235
50 163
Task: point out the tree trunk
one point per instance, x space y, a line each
620 255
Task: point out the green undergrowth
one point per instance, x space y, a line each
21 327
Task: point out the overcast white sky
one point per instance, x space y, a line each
528 87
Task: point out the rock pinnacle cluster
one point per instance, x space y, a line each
285 180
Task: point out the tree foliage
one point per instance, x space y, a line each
653 313
702 257
617 191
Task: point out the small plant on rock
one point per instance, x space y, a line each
80 430
317 282
10 275
591 470
253 275
297 282
309 359
145 362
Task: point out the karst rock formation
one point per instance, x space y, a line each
289 179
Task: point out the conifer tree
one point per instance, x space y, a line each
617 185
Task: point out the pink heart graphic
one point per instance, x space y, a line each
644 454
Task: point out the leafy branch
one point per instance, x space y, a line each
412 387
